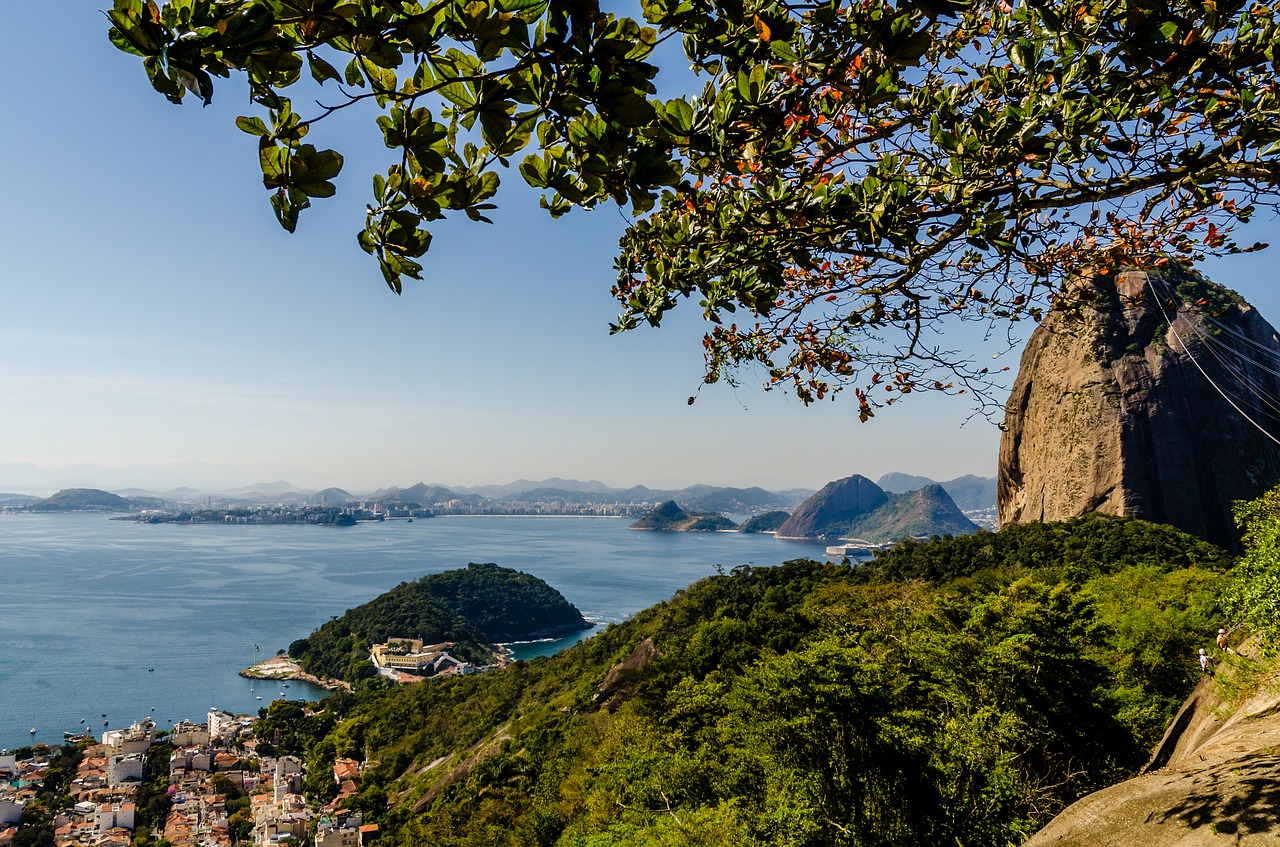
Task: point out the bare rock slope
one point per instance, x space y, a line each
1219 784
1115 408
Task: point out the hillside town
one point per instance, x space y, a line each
211 784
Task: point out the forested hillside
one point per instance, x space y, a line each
473 606
958 691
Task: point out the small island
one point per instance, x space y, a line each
669 517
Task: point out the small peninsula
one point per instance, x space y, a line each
469 609
669 517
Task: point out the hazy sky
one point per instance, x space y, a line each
155 314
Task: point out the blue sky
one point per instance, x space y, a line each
155 314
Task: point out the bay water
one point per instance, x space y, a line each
107 621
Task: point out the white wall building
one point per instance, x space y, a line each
10 809
124 769
112 816
219 723
135 738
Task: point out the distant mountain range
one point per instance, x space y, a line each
699 498
968 492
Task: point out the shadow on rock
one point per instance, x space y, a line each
1243 798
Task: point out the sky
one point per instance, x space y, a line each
157 321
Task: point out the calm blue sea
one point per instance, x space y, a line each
101 617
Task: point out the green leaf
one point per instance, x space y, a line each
678 116
534 170
322 70
461 94
275 165
628 108
253 126
516 6
287 207
316 189
353 75
321 164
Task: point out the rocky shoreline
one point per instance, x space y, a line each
281 667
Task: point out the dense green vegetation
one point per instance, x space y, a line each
504 604
768 522
708 523
959 691
473 606
1254 595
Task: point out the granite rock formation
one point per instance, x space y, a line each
1115 407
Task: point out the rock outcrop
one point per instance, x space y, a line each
968 491
1115 408
1218 783
929 511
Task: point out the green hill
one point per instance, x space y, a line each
669 517
929 511
855 507
82 500
768 522
955 691
474 606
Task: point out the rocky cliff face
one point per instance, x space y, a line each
1114 409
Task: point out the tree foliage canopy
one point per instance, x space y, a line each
851 175
1254 592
